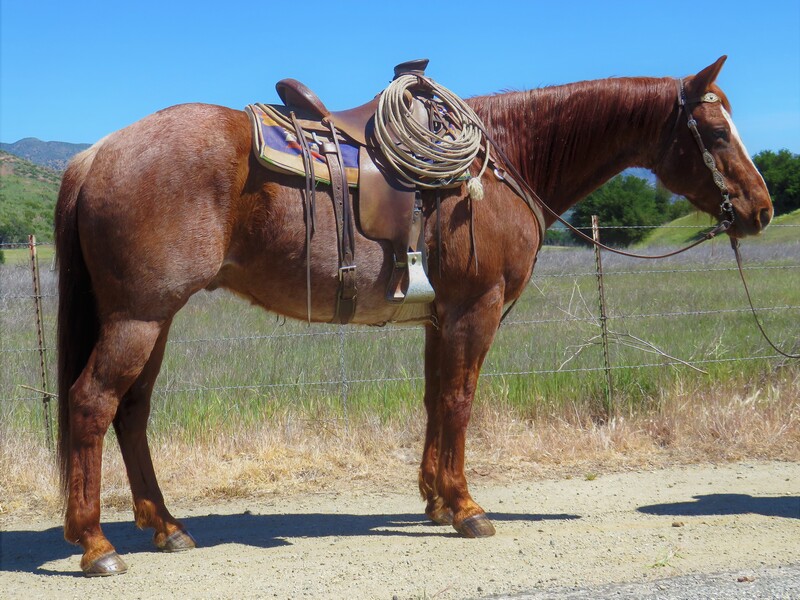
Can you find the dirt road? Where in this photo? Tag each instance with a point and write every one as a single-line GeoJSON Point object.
{"type": "Point", "coordinates": [551, 534]}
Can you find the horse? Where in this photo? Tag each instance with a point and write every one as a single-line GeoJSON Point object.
{"type": "Point", "coordinates": [176, 203]}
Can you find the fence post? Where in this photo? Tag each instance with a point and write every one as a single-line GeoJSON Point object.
{"type": "Point", "coordinates": [37, 300]}
{"type": "Point", "coordinates": [609, 405]}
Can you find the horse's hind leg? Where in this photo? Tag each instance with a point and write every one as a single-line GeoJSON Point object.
{"type": "Point", "coordinates": [121, 352]}
{"type": "Point", "coordinates": [130, 425]}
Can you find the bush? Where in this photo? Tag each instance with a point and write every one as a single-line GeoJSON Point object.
{"type": "Point", "coordinates": [625, 201]}
{"type": "Point", "coordinates": [781, 172]}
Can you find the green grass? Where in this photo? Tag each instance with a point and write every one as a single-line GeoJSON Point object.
{"type": "Point", "coordinates": [229, 365]}
{"type": "Point", "coordinates": [22, 256]}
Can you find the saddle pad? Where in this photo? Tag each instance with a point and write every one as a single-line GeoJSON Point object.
{"type": "Point", "coordinates": [277, 148]}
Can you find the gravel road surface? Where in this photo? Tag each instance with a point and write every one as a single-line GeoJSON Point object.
{"type": "Point", "coordinates": [734, 529]}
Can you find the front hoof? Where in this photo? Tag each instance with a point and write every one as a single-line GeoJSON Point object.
{"type": "Point", "coordinates": [176, 542]}
{"type": "Point", "coordinates": [105, 565]}
{"type": "Point", "coordinates": [476, 526]}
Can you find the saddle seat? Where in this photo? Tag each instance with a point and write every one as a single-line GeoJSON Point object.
{"type": "Point", "coordinates": [353, 122]}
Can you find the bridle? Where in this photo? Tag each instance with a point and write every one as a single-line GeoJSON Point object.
{"type": "Point", "coordinates": [726, 206]}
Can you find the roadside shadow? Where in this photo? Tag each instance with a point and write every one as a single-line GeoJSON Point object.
{"type": "Point", "coordinates": [27, 551]}
{"type": "Point", "coordinates": [730, 504]}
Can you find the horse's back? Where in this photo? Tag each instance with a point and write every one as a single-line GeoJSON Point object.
{"type": "Point", "coordinates": [154, 209]}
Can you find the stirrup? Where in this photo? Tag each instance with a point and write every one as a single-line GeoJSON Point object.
{"type": "Point", "coordinates": [419, 288]}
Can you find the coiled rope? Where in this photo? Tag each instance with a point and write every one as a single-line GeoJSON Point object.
{"type": "Point", "coordinates": [420, 156]}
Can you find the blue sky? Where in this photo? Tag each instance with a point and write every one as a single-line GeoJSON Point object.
{"type": "Point", "coordinates": [75, 70]}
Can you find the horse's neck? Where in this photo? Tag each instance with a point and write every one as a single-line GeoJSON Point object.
{"type": "Point", "coordinates": [568, 140]}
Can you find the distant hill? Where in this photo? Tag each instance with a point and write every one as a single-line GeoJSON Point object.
{"type": "Point", "coordinates": [27, 199]}
{"type": "Point", "coordinates": [54, 155]}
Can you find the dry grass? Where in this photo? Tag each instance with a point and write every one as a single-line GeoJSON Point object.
{"type": "Point", "coordinates": [290, 455]}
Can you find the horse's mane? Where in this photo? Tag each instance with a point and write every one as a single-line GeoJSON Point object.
{"type": "Point", "coordinates": [582, 131]}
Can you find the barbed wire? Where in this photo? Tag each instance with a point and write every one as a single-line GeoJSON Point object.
{"type": "Point", "coordinates": [538, 276]}
{"type": "Point", "coordinates": [344, 380]}
{"type": "Point", "coordinates": [407, 330]}
{"type": "Point", "coordinates": [699, 228]}
{"type": "Point", "coordinates": [200, 389]}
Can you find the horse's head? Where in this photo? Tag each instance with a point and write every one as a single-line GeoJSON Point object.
{"type": "Point", "coordinates": [706, 161]}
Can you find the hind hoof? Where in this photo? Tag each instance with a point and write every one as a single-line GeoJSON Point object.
{"type": "Point", "coordinates": [476, 526]}
{"type": "Point", "coordinates": [176, 542]}
{"type": "Point", "coordinates": [108, 564]}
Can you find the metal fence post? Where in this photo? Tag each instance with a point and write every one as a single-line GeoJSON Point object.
{"type": "Point", "coordinates": [37, 300]}
{"type": "Point", "coordinates": [609, 404]}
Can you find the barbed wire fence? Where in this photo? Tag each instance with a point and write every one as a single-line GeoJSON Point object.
{"type": "Point", "coordinates": [27, 315]}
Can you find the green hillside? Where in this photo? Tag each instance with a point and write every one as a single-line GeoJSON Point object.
{"type": "Point", "coordinates": [675, 233]}
{"type": "Point", "coordinates": [27, 199]}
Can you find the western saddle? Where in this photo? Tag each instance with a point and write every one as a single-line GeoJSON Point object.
{"type": "Point", "coordinates": [388, 208]}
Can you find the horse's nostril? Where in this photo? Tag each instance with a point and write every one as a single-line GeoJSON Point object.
{"type": "Point", "coordinates": [765, 217]}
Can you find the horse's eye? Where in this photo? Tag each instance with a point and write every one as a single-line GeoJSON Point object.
{"type": "Point", "coordinates": [721, 134]}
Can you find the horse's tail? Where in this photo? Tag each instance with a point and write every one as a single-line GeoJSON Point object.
{"type": "Point", "coordinates": [77, 316]}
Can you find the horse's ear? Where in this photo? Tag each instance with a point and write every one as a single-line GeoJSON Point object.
{"type": "Point", "coordinates": [700, 83]}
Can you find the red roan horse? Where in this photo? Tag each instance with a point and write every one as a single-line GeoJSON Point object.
{"type": "Point", "coordinates": [177, 203]}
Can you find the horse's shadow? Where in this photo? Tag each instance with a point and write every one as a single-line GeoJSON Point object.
{"type": "Point", "coordinates": [24, 550]}
{"type": "Point", "coordinates": [730, 504]}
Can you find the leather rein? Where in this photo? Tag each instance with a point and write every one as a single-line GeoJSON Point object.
{"type": "Point", "coordinates": [727, 214]}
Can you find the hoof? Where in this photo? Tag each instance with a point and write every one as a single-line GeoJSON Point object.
{"type": "Point", "coordinates": [176, 542]}
{"type": "Point", "coordinates": [108, 564]}
{"type": "Point", "coordinates": [476, 526]}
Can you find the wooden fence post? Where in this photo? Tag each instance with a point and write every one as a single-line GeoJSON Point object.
{"type": "Point", "coordinates": [609, 404]}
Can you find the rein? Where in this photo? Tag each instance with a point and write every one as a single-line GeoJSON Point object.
{"type": "Point", "coordinates": [726, 207]}
{"type": "Point", "coordinates": [727, 213]}
{"type": "Point", "coordinates": [735, 246]}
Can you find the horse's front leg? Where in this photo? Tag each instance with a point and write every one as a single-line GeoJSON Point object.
{"type": "Point", "coordinates": [467, 332]}
{"type": "Point", "coordinates": [435, 507]}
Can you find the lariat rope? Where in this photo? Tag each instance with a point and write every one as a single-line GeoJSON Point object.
{"type": "Point", "coordinates": [423, 157]}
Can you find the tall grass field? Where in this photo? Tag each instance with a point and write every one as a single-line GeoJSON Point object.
{"type": "Point", "coordinates": [228, 365]}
